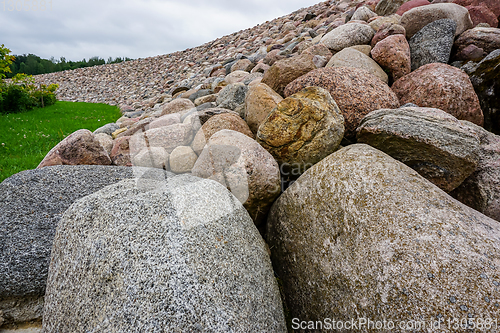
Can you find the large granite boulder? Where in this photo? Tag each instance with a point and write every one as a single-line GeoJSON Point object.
{"type": "Point", "coordinates": [177, 105]}
{"type": "Point", "coordinates": [79, 148]}
{"type": "Point", "coordinates": [362, 236]}
{"type": "Point", "coordinates": [284, 71]}
{"type": "Point", "coordinates": [441, 86]}
{"type": "Point", "coordinates": [355, 91]}
{"type": "Point", "coordinates": [486, 81]}
{"type": "Point", "coordinates": [232, 97]}
{"type": "Point", "coordinates": [303, 129]}
{"type": "Point", "coordinates": [32, 203]}
{"type": "Point", "coordinates": [244, 167]}
{"type": "Point", "coordinates": [393, 54]}
{"type": "Point", "coordinates": [430, 141]}
{"type": "Point", "coordinates": [481, 190]}
{"type": "Point", "coordinates": [432, 43]}
{"type": "Point", "coordinates": [350, 57]}
{"type": "Point", "coordinates": [178, 255]}
{"type": "Point", "coordinates": [418, 17]}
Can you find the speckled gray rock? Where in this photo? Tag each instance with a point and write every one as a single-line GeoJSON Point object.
{"type": "Point", "coordinates": [232, 97]}
{"type": "Point", "coordinates": [430, 141]}
{"type": "Point", "coordinates": [432, 43]}
{"type": "Point", "coordinates": [481, 190]}
{"type": "Point", "coordinates": [361, 235]}
{"type": "Point", "coordinates": [107, 129]}
{"type": "Point", "coordinates": [32, 203]}
{"type": "Point", "coordinates": [178, 255]}
{"type": "Point", "coordinates": [348, 35]}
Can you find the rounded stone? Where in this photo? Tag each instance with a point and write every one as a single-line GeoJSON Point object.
{"type": "Point", "coordinates": [348, 35]}
{"type": "Point", "coordinates": [182, 159]}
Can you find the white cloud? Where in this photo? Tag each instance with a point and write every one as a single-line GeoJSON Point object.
{"type": "Point", "coordinates": [136, 29]}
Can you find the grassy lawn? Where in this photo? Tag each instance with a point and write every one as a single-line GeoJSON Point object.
{"type": "Point", "coordinates": [25, 138]}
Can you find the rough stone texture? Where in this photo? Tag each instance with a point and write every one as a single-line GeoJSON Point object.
{"type": "Point", "coordinates": [120, 153]}
{"type": "Point", "coordinates": [361, 235]}
{"type": "Point", "coordinates": [107, 129]}
{"type": "Point", "coordinates": [492, 5]}
{"type": "Point", "coordinates": [235, 76]}
{"type": "Point", "coordinates": [80, 147]}
{"type": "Point", "coordinates": [242, 65]}
{"type": "Point", "coordinates": [381, 21]}
{"type": "Point", "coordinates": [182, 159]}
{"type": "Point", "coordinates": [232, 97]}
{"type": "Point", "coordinates": [285, 71]}
{"type": "Point", "coordinates": [105, 140]}
{"type": "Point", "coordinates": [387, 30]}
{"type": "Point", "coordinates": [303, 129]}
{"type": "Point", "coordinates": [320, 50]}
{"type": "Point", "coordinates": [388, 7]}
{"type": "Point", "coordinates": [410, 5]}
{"type": "Point", "coordinates": [487, 39]}
{"type": "Point", "coordinates": [259, 102]}
{"type": "Point", "coordinates": [348, 35]}
{"type": "Point", "coordinates": [177, 105]}
{"type": "Point", "coordinates": [393, 54]}
{"type": "Point", "coordinates": [206, 114]}
{"type": "Point", "coordinates": [355, 91]}
{"type": "Point", "coordinates": [430, 141]}
{"type": "Point", "coordinates": [442, 87]}
{"type": "Point", "coordinates": [141, 125]}
{"type": "Point", "coordinates": [217, 123]}
{"type": "Point", "coordinates": [486, 81]}
{"type": "Point", "coordinates": [363, 13]}
{"type": "Point", "coordinates": [151, 157]}
{"type": "Point", "coordinates": [205, 99]}
{"type": "Point", "coordinates": [417, 18]}
{"type": "Point", "coordinates": [432, 43]}
{"type": "Point", "coordinates": [244, 167]}
{"type": "Point", "coordinates": [350, 57]}
{"type": "Point", "coordinates": [32, 203]}
{"type": "Point", "coordinates": [166, 120]}
{"type": "Point", "coordinates": [482, 14]}
{"type": "Point", "coordinates": [179, 255]}
{"type": "Point", "coordinates": [272, 57]}
{"type": "Point", "coordinates": [481, 190]}
{"type": "Point", "coordinates": [168, 137]}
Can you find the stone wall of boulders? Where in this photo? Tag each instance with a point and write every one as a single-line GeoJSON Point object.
{"type": "Point", "coordinates": [360, 139]}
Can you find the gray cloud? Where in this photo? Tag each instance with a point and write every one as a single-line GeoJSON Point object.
{"type": "Point", "coordinates": [136, 29]}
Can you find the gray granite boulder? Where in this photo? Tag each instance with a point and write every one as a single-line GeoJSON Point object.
{"type": "Point", "coordinates": [481, 190]}
{"type": "Point", "coordinates": [173, 255]}
{"type": "Point", "coordinates": [348, 35]}
{"type": "Point", "coordinates": [107, 129]}
{"type": "Point", "coordinates": [432, 43]}
{"type": "Point", "coordinates": [31, 205]}
{"type": "Point", "coordinates": [232, 97]}
{"type": "Point", "coordinates": [361, 235]}
{"type": "Point", "coordinates": [430, 141]}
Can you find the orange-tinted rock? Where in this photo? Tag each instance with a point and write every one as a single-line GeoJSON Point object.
{"type": "Point", "coordinates": [393, 54]}
{"type": "Point", "coordinates": [355, 91]}
{"type": "Point", "coordinates": [443, 87]}
{"type": "Point", "coordinates": [79, 148]}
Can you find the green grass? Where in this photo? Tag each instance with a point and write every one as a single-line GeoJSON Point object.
{"type": "Point", "coordinates": [25, 138]}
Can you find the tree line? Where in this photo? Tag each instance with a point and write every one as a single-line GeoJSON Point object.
{"type": "Point", "coordinates": [32, 64]}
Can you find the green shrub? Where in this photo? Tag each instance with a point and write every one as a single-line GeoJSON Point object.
{"type": "Point", "coordinates": [15, 99]}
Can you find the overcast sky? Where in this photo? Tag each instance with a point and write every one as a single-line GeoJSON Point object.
{"type": "Point", "coordinates": [80, 29]}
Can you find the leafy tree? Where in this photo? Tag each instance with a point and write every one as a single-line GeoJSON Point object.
{"type": "Point", "coordinates": [5, 61]}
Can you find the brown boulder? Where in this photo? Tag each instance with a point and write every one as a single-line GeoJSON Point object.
{"type": "Point", "coordinates": [493, 5]}
{"type": "Point", "coordinates": [120, 154]}
{"type": "Point", "coordinates": [355, 91]}
{"type": "Point", "coordinates": [393, 54]}
{"type": "Point", "coordinates": [487, 39]}
{"type": "Point", "coordinates": [387, 30]}
{"type": "Point", "coordinates": [285, 71]}
{"type": "Point", "coordinates": [79, 148]}
{"type": "Point", "coordinates": [410, 5]}
{"type": "Point", "coordinates": [441, 86]}
{"type": "Point", "coordinates": [177, 105]}
{"type": "Point", "coordinates": [259, 102]}
{"type": "Point", "coordinates": [482, 14]}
